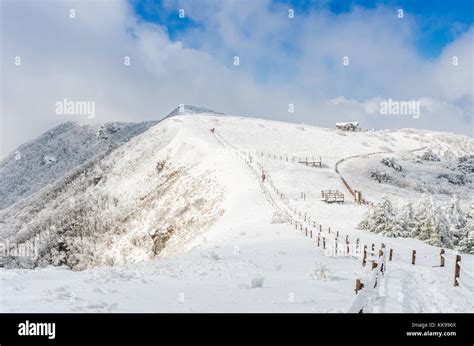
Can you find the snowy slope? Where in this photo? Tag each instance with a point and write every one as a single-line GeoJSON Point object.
{"type": "Point", "coordinates": [40, 162]}
{"type": "Point", "coordinates": [183, 216]}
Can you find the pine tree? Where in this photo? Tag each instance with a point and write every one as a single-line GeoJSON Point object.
{"type": "Point", "coordinates": [431, 225]}
{"type": "Point", "coordinates": [384, 219]}
{"type": "Point", "coordinates": [366, 223]}
{"type": "Point", "coordinates": [405, 220]}
{"type": "Point", "coordinates": [399, 227]}
{"type": "Point", "coordinates": [466, 242]}
{"type": "Point", "coordinates": [440, 234]}
{"type": "Point", "coordinates": [456, 219]}
{"type": "Point", "coordinates": [424, 220]}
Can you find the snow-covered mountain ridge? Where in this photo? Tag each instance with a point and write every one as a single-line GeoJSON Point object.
{"type": "Point", "coordinates": [180, 193]}
{"type": "Point", "coordinates": [58, 151]}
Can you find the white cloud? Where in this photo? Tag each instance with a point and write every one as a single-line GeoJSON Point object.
{"type": "Point", "coordinates": [283, 61]}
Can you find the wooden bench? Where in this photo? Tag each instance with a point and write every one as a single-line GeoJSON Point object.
{"type": "Point", "coordinates": [312, 163]}
{"type": "Point", "coordinates": [332, 196]}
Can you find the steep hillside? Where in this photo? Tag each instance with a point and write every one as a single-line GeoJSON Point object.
{"type": "Point", "coordinates": [44, 160]}
{"type": "Point", "coordinates": [122, 206]}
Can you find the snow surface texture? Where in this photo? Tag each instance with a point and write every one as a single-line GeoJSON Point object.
{"type": "Point", "coordinates": [183, 216]}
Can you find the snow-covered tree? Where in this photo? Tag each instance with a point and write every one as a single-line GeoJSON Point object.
{"type": "Point", "coordinates": [405, 220]}
{"type": "Point", "coordinates": [440, 235]}
{"type": "Point", "coordinates": [423, 219]}
{"type": "Point", "coordinates": [366, 223]}
{"type": "Point", "coordinates": [381, 219]}
{"type": "Point", "coordinates": [446, 226]}
{"type": "Point", "coordinates": [466, 242]}
{"type": "Point", "coordinates": [455, 218]}
{"type": "Point", "coordinates": [431, 225]}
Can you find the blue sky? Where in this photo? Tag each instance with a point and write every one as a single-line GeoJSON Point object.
{"type": "Point", "coordinates": [283, 61]}
{"type": "Point", "coordinates": [439, 22]}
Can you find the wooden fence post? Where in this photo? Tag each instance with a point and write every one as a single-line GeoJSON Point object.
{"type": "Point", "coordinates": [324, 243]}
{"type": "Point", "coordinates": [336, 244]}
{"type": "Point", "coordinates": [337, 234]}
{"type": "Point", "coordinates": [374, 264]}
{"type": "Point", "coordinates": [364, 259]}
{"type": "Point", "coordinates": [329, 230]}
{"type": "Point", "coordinates": [441, 258]}
{"type": "Point", "coordinates": [306, 231]}
{"type": "Point", "coordinates": [320, 228]}
{"type": "Point", "coordinates": [457, 270]}
{"type": "Point", "coordinates": [318, 239]}
{"type": "Point", "coordinates": [359, 286]}
{"type": "Point", "coordinates": [390, 255]}
{"type": "Point", "coordinates": [413, 257]}
{"type": "Point", "coordinates": [311, 233]}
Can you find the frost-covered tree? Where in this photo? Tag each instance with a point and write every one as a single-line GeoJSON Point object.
{"type": "Point", "coordinates": [381, 219]}
{"type": "Point", "coordinates": [366, 223]}
{"type": "Point", "coordinates": [440, 235]}
{"type": "Point", "coordinates": [405, 220]}
{"type": "Point", "coordinates": [431, 225]}
{"type": "Point", "coordinates": [466, 242]}
{"type": "Point", "coordinates": [423, 219]}
{"type": "Point", "coordinates": [398, 227]}
{"type": "Point", "coordinates": [455, 218]}
{"type": "Point", "coordinates": [446, 226]}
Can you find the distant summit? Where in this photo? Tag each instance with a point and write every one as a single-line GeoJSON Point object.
{"type": "Point", "coordinates": [188, 109]}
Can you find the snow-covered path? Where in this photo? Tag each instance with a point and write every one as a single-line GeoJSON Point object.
{"type": "Point", "coordinates": [400, 290]}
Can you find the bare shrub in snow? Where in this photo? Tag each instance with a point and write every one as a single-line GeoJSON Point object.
{"type": "Point", "coordinates": [466, 164]}
{"type": "Point", "coordinates": [160, 238]}
{"type": "Point", "coordinates": [160, 165]}
{"type": "Point", "coordinates": [429, 155]}
{"type": "Point", "coordinates": [279, 218]}
{"type": "Point", "coordinates": [320, 272]}
{"type": "Point", "coordinates": [444, 176]}
{"type": "Point", "coordinates": [391, 163]}
{"type": "Point", "coordinates": [213, 256]}
{"type": "Point", "coordinates": [453, 178]}
{"type": "Point", "coordinates": [380, 176]}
